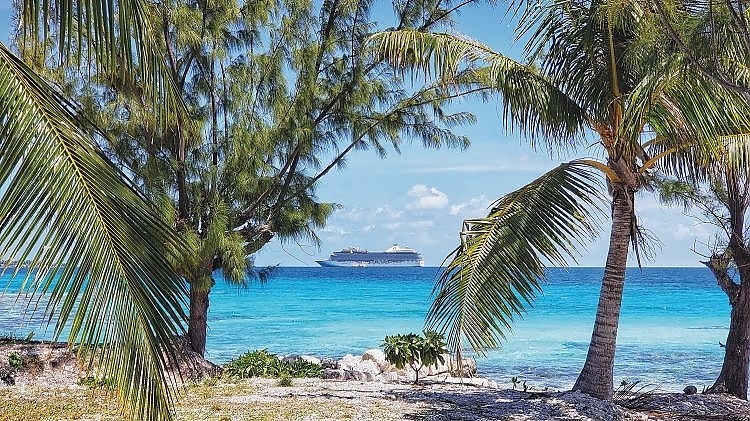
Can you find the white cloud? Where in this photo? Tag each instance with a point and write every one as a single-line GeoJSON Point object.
{"type": "Point", "coordinates": [368, 214]}
{"type": "Point", "coordinates": [334, 229]}
{"type": "Point", "coordinates": [475, 206]}
{"type": "Point", "coordinates": [388, 212]}
{"type": "Point", "coordinates": [427, 198]}
{"type": "Point", "coordinates": [694, 231]}
{"type": "Point", "coordinates": [407, 225]}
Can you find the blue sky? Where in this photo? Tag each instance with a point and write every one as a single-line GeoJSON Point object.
{"type": "Point", "coordinates": [420, 197]}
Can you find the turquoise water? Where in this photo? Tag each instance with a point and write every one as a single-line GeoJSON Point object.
{"type": "Point", "coordinates": [672, 321]}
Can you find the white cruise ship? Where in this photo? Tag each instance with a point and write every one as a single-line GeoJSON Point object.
{"type": "Point", "coordinates": [355, 257]}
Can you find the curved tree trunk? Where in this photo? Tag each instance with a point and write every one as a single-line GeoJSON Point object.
{"type": "Point", "coordinates": [734, 371]}
{"type": "Point", "coordinates": [198, 323]}
{"type": "Point", "coordinates": [597, 373]}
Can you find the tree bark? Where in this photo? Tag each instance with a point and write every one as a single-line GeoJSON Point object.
{"type": "Point", "coordinates": [598, 370]}
{"type": "Point", "coordinates": [734, 370]}
{"type": "Point", "coordinates": [198, 323]}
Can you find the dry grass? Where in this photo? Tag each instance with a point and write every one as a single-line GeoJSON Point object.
{"type": "Point", "coordinates": [57, 404]}
{"type": "Point", "coordinates": [253, 400]}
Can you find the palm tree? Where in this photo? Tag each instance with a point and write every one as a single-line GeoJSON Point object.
{"type": "Point", "coordinates": [100, 253]}
{"type": "Point", "coordinates": [588, 74]}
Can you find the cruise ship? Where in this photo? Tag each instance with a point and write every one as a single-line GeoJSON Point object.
{"type": "Point", "coordinates": [355, 257]}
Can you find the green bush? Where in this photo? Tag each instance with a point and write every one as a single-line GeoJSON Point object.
{"type": "Point", "coordinates": [302, 368]}
{"type": "Point", "coordinates": [15, 360]}
{"type": "Point", "coordinates": [415, 351]}
{"type": "Point", "coordinates": [285, 380]}
{"type": "Point", "coordinates": [92, 382]}
{"type": "Point", "coordinates": [261, 363]}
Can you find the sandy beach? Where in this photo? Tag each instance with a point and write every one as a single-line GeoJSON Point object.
{"type": "Point", "coordinates": [317, 399]}
{"type": "Point", "coordinates": [48, 388]}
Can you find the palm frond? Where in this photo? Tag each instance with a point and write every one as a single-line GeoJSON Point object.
{"type": "Point", "coordinates": [496, 271]}
{"type": "Point", "coordinates": [100, 254]}
{"type": "Point", "coordinates": [531, 104]}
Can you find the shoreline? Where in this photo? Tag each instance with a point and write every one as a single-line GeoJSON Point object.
{"type": "Point", "coordinates": [50, 386]}
{"type": "Point", "coordinates": [669, 336]}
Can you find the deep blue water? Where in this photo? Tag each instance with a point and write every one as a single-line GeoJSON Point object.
{"type": "Point", "coordinates": [672, 321]}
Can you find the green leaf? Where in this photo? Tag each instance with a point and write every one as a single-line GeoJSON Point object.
{"type": "Point", "coordinates": [99, 252]}
{"type": "Point", "coordinates": [496, 271]}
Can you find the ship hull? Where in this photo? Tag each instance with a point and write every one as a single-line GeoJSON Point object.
{"type": "Point", "coordinates": [362, 264]}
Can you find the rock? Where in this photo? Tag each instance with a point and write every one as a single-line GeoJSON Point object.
{"type": "Point", "coordinates": [472, 381]}
{"type": "Point", "coordinates": [310, 359]}
{"type": "Point", "coordinates": [334, 374]}
{"type": "Point", "coordinates": [8, 376]}
{"type": "Point", "coordinates": [690, 390]}
{"type": "Point", "coordinates": [450, 366]}
{"type": "Point", "coordinates": [468, 367]}
{"type": "Point", "coordinates": [357, 369]}
{"type": "Point", "coordinates": [388, 377]}
{"type": "Point", "coordinates": [329, 363]}
{"type": "Point", "coordinates": [348, 362]}
{"type": "Point", "coordinates": [365, 371]}
{"type": "Point", "coordinates": [378, 357]}
{"type": "Point", "coordinates": [289, 358]}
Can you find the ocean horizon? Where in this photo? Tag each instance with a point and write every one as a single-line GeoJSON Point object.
{"type": "Point", "coordinates": [671, 324]}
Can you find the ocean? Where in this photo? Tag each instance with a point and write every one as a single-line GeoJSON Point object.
{"type": "Point", "coordinates": [671, 324]}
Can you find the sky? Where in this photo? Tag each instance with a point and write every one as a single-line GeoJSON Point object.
{"type": "Point", "coordinates": [420, 197]}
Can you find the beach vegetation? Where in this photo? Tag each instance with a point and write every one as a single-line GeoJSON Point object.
{"type": "Point", "coordinates": [15, 360]}
{"type": "Point", "coordinates": [415, 351]}
{"type": "Point", "coordinates": [285, 379]}
{"type": "Point", "coordinates": [261, 363]}
{"type": "Point", "coordinates": [93, 382]}
{"type": "Point", "coordinates": [588, 79]}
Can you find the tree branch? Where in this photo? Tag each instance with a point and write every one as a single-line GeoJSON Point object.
{"type": "Point", "coordinates": [672, 33]}
{"type": "Point", "coordinates": [719, 264]}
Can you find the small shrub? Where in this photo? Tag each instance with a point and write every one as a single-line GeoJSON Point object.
{"type": "Point", "coordinates": [302, 368]}
{"type": "Point", "coordinates": [285, 379]}
{"type": "Point", "coordinates": [261, 363]}
{"type": "Point", "coordinates": [15, 360]}
{"type": "Point", "coordinates": [92, 382]}
{"type": "Point", "coordinates": [415, 351]}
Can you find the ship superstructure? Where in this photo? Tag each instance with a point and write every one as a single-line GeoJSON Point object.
{"type": "Point", "coordinates": [356, 257]}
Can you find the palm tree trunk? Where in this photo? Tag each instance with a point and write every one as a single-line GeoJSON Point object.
{"type": "Point", "coordinates": [597, 373]}
{"type": "Point", "coordinates": [198, 323]}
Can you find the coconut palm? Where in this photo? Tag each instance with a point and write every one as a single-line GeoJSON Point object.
{"type": "Point", "coordinates": [100, 254]}
{"type": "Point", "coordinates": [589, 74]}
